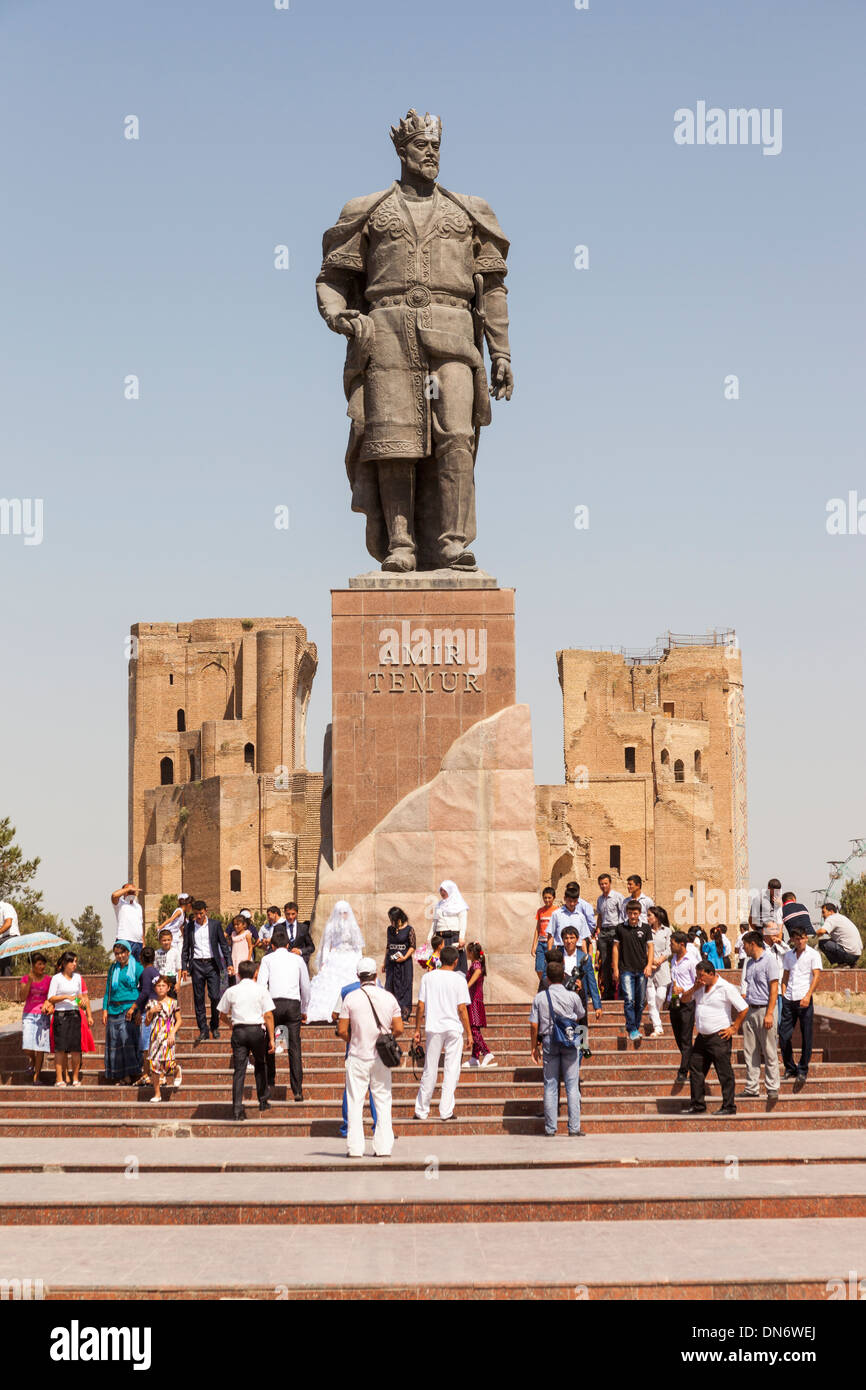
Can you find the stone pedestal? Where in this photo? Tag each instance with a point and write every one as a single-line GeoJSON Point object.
{"type": "Point", "coordinates": [473, 822]}
{"type": "Point", "coordinates": [417, 662]}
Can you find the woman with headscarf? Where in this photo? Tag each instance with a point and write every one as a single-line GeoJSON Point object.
{"type": "Point", "coordinates": [341, 949]}
{"type": "Point", "coordinates": [449, 919]}
{"type": "Point", "coordinates": [120, 1017]}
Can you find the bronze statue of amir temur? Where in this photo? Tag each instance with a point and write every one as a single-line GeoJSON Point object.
{"type": "Point", "coordinates": [415, 278]}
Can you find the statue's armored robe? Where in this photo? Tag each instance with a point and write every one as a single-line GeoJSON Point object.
{"type": "Point", "coordinates": [415, 381]}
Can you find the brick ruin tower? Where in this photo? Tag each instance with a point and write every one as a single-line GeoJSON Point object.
{"type": "Point", "coordinates": [220, 801]}
{"type": "Point", "coordinates": [655, 767]}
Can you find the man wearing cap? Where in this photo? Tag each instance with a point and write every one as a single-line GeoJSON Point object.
{"type": "Point", "coordinates": [205, 954]}
{"type": "Point", "coordinates": [251, 1011]}
{"type": "Point", "coordinates": [364, 1014]}
{"type": "Point", "coordinates": [130, 918]}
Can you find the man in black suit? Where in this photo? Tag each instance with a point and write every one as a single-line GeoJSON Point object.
{"type": "Point", "coordinates": [300, 939]}
{"type": "Point", "coordinates": [205, 954]}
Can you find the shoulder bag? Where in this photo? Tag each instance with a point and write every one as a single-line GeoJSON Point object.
{"type": "Point", "coordinates": [387, 1046]}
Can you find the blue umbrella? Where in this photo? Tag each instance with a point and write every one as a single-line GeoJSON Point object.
{"type": "Point", "coordinates": [34, 941]}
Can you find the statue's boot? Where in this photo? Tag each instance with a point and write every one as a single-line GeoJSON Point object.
{"type": "Point", "coordinates": [397, 491]}
{"type": "Point", "coordinates": [464, 561]}
{"type": "Point", "coordinates": [456, 469]}
{"type": "Point", "coordinates": [399, 562]}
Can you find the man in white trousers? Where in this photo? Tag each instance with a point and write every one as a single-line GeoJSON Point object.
{"type": "Point", "coordinates": [443, 1010]}
{"type": "Point", "coordinates": [364, 1014]}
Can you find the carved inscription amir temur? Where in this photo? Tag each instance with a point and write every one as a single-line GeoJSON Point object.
{"type": "Point", "coordinates": [448, 682]}
{"type": "Point", "coordinates": [411, 646]}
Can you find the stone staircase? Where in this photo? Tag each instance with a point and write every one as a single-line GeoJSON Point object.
{"type": "Point", "coordinates": [481, 1206]}
{"type": "Point", "coordinates": [626, 1088]}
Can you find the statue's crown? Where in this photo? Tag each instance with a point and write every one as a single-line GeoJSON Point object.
{"type": "Point", "coordinates": [412, 124]}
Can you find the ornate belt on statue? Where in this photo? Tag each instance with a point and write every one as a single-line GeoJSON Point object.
{"type": "Point", "coordinates": [419, 297]}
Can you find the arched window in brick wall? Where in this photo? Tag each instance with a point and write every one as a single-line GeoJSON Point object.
{"type": "Point", "coordinates": [249, 755]}
{"type": "Point", "coordinates": [191, 765]}
{"type": "Point", "coordinates": [166, 773]}
{"type": "Point", "coordinates": [234, 880]}
{"type": "Point", "coordinates": [698, 764]}
{"type": "Point", "coordinates": [679, 771]}
{"type": "Point", "coordinates": [181, 721]}
{"type": "Point", "coordinates": [629, 760]}
{"type": "Point", "coordinates": [666, 758]}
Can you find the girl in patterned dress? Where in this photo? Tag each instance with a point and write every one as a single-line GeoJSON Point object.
{"type": "Point", "coordinates": [163, 1014]}
{"type": "Point", "coordinates": [477, 965]}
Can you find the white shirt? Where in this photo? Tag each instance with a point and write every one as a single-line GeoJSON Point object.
{"type": "Point", "coordinates": [285, 976]}
{"type": "Point", "coordinates": [130, 919]}
{"type": "Point", "coordinates": [363, 1028]}
{"type": "Point", "coordinates": [448, 921]}
{"type": "Point", "coordinates": [201, 949]}
{"type": "Point", "coordinates": [6, 911]}
{"type": "Point", "coordinates": [715, 1007]}
{"type": "Point", "coordinates": [266, 931]}
{"type": "Point", "coordinates": [442, 992]}
{"type": "Point", "coordinates": [683, 970]}
{"type": "Point", "coordinates": [800, 968]}
{"type": "Point", "coordinates": [570, 963]}
{"type": "Point", "coordinates": [60, 985]}
{"type": "Point", "coordinates": [837, 926]}
{"type": "Point", "coordinates": [246, 1002]}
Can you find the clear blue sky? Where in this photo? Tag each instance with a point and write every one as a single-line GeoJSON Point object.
{"type": "Point", "coordinates": [155, 257]}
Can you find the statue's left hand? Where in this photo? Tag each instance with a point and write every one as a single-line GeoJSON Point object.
{"type": "Point", "coordinates": [355, 325]}
{"type": "Point", "coordinates": [502, 379]}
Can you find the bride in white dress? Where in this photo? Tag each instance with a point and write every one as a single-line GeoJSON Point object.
{"type": "Point", "coordinates": [341, 949]}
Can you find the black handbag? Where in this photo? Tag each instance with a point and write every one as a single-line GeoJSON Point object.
{"type": "Point", "coordinates": [387, 1046]}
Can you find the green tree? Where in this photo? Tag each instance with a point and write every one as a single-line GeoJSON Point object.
{"type": "Point", "coordinates": [16, 872]}
{"type": "Point", "coordinates": [853, 905]}
{"type": "Point", "coordinates": [92, 955]}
